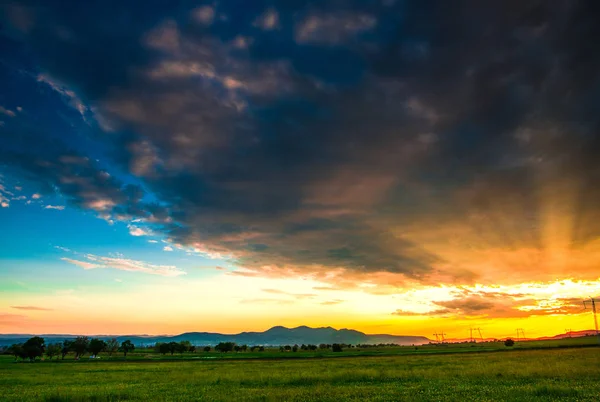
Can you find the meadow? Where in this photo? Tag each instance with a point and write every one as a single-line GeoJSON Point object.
{"type": "Point", "coordinates": [530, 371]}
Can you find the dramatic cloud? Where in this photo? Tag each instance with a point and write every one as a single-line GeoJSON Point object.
{"type": "Point", "coordinates": [368, 146]}
{"type": "Point", "coordinates": [486, 304]}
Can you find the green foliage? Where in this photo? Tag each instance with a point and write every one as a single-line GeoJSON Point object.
{"type": "Point", "coordinates": [336, 347]}
{"type": "Point", "coordinates": [80, 346]}
{"type": "Point", "coordinates": [34, 348]}
{"type": "Point", "coordinates": [53, 349]}
{"type": "Point", "coordinates": [17, 351]}
{"type": "Point", "coordinates": [224, 347]}
{"type": "Point", "coordinates": [96, 346]}
{"type": "Point", "coordinates": [184, 346]}
{"type": "Point", "coordinates": [511, 375]}
{"type": "Point", "coordinates": [67, 346]}
{"type": "Point", "coordinates": [112, 345]}
{"type": "Point", "coordinates": [206, 349]}
{"type": "Point", "coordinates": [126, 347]}
{"type": "Point", "coordinates": [509, 343]}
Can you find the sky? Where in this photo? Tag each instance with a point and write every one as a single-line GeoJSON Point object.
{"type": "Point", "coordinates": [401, 167]}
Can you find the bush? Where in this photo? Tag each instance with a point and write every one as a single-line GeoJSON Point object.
{"type": "Point", "coordinates": [336, 347]}
{"type": "Point", "coordinates": [509, 342]}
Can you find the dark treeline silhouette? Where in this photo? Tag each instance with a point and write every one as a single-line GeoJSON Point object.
{"type": "Point", "coordinates": [36, 347]}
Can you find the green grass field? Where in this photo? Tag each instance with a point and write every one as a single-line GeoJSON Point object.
{"type": "Point", "coordinates": [522, 374]}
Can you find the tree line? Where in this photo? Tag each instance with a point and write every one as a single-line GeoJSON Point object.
{"type": "Point", "coordinates": [36, 347]}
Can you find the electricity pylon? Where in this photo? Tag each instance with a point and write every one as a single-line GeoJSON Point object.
{"type": "Point", "coordinates": [520, 331]}
{"type": "Point", "coordinates": [568, 331]}
{"type": "Point", "coordinates": [592, 301]}
{"type": "Point", "coordinates": [439, 337]}
{"type": "Point", "coordinates": [478, 330]}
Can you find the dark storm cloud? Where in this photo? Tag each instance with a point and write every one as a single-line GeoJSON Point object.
{"type": "Point", "coordinates": [300, 139]}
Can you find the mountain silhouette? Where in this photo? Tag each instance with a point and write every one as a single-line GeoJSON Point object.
{"type": "Point", "coordinates": [274, 336]}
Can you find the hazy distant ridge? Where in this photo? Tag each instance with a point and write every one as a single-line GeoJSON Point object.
{"type": "Point", "coordinates": [275, 336]}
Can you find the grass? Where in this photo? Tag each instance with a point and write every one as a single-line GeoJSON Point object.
{"type": "Point", "coordinates": [569, 374]}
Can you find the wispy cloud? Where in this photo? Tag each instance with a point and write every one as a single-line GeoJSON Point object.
{"type": "Point", "coordinates": [67, 93]}
{"type": "Point", "coordinates": [57, 207]}
{"type": "Point", "coordinates": [138, 231]}
{"type": "Point", "coordinates": [32, 308]}
{"type": "Point", "coordinates": [332, 302]}
{"type": "Point", "coordinates": [295, 295]}
{"type": "Point", "coordinates": [168, 248]}
{"type": "Point", "coordinates": [124, 264]}
{"type": "Point", "coordinates": [7, 112]}
{"type": "Point", "coordinates": [268, 20]}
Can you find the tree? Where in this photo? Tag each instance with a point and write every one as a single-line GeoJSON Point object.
{"type": "Point", "coordinates": [261, 349]}
{"type": "Point", "coordinates": [336, 347]}
{"type": "Point", "coordinates": [237, 348]}
{"type": "Point", "coordinates": [173, 347]}
{"type": "Point", "coordinates": [112, 345]}
{"type": "Point", "coordinates": [34, 347]}
{"type": "Point", "coordinates": [126, 347]}
{"type": "Point", "coordinates": [206, 349]}
{"type": "Point", "coordinates": [184, 346]}
{"type": "Point", "coordinates": [163, 348]}
{"type": "Point", "coordinates": [225, 347]}
{"type": "Point", "coordinates": [295, 348]}
{"type": "Point", "coordinates": [16, 349]}
{"type": "Point", "coordinates": [96, 346]}
{"type": "Point", "coordinates": [80, 346]}
{"type": "Point", "coordinates": [66, 348]}
{"type": "Point", "coordinates": [53, 349]}
{"type": "Point", "coordinates": [244, 348]}
{"type": "Point", "coordinates": [509, 342]}
{"type": "Point", "coordinates": [192, 349]}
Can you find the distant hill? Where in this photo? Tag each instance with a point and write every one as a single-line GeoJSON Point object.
{"type": "Point", "coordinates": [275, 336]}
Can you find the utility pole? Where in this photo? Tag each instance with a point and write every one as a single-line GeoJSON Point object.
{"type": "Point", "coordinates": [439, 337]}
{"type": "Point", "coordinates": [521, 332]}
{"type": "Point", "coordinates": [471, 332]}
{"type": "Point", "coordinates": [592, 301]}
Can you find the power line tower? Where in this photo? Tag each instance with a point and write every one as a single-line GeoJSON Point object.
{"type": "Point", "coordinates": [593, 301]}
{"type": "Point", "coordinates": [439, 337]}
{"type": "Point", "coordinates": [521, 332]}
{"type": "Point", "coordinates": [568, 332]}
{"type": "Point", "coordinates": [478, 330]}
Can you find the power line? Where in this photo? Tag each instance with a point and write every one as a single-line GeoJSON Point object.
{"type": "Point", "coordinates": [471, 334]}
{"type": "Point", "coordinates": [520, 331]}
{"type": "Point", "coordinates": [439, 337]}
{"type": "Point", "coordinates": [593, 301]}
{"type": "Point", "coordinates": [568, 331]}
